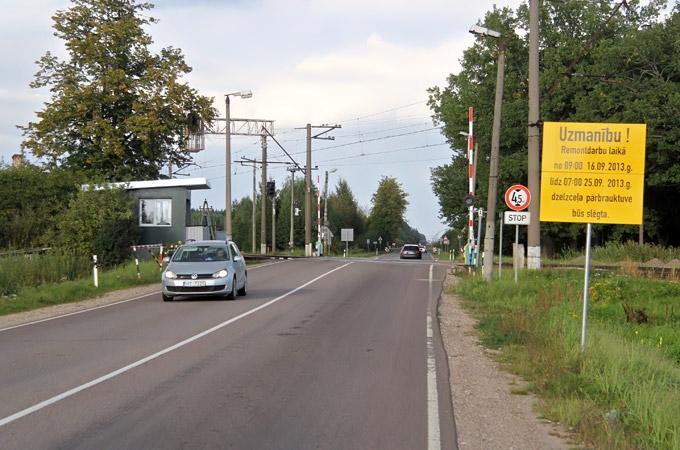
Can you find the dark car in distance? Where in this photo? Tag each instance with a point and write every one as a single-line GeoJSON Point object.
{"type": "Point", "coordinates": [410, 251]}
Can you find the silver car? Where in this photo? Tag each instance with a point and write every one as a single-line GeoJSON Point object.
{"type": "Point", "coordinates": [205, 268]}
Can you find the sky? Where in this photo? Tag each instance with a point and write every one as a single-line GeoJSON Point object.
{"type": "Point", "coordinates": [363, 64]}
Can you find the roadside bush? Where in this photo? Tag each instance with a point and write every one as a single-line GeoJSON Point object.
{"type": "Point", "coordinates": [102, 223]}
{"type": "Point", "coordinates": [31, 201]}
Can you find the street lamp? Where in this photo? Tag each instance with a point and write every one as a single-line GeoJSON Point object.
{"type": "Point", "coordinates": [495, 139]}
{"type": "Point", "coordinates": [227, 121]}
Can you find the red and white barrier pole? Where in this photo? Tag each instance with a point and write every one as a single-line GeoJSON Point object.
{"type": "Point", "coordinates": [319, 251]}
{"type": "Point", "coordinates": [471, 186]}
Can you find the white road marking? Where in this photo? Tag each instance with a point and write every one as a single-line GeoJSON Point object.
{"type": "Point", "coordinates": [122, 370]}
{"type": "Point", "coordinates": [60, 316]}
{"type": "Point", "coordinates": [433, 436]}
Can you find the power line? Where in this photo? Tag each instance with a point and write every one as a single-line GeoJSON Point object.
{"type": "Point", "coordinates": [383, 152]}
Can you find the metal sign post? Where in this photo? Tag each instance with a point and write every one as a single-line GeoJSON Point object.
{"type": "Point", "coordinates": [517, 198]}
{"type": "Point", "coordinates": [500, 246]}
{"type": "Point", "coordinates": [515, 256]}
{"type": "Point", "coordinates": [347, 235]}
{"type": "Point", "coordinates": [586, 284]}
{"type": "Point", "coordinates": [516, 218]}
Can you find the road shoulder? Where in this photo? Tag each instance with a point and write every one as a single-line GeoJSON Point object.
{"type": "Point", "coordinates": [487, 413]}
{"type": "Point", "coordinates": [48, 312]}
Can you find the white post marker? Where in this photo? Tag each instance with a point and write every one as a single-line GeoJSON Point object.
{"type": "Point", "coordinates": [94, 271]}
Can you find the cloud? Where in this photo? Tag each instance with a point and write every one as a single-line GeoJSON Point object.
{"type": "Point", "coordinates": [305, 61]}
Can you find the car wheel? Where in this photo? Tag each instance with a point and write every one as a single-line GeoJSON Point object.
{"type": "Point", "coordinates": [242, 291]}
{"type": "Point", "coordinates": [166, 298]}
{"type": "Point", "coordinates": [232, 294]}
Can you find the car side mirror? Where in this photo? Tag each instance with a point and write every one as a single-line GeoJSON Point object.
{"type": "Point", "coordinates": [238, 258]}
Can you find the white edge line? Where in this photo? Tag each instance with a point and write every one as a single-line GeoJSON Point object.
{"type": "Point", "coordinates": [433, 433]}
{"type": "Point", "coordinates": [108, 376]}
{"type": "Point", "coordinates": [60, 316]}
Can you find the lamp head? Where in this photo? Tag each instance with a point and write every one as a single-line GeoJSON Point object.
{"type": "Point", "coordinates": [476, 29]}
{"type": "Point", "coordinates": [242, 94]}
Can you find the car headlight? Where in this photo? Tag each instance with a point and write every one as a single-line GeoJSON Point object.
{"type": "Point", "coordinates": [221, 274]}
{"type": "Point", "coordinates": [169, 274]}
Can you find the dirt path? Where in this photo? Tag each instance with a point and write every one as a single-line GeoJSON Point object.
{"type": "Point", "coordinates": [488, 415]}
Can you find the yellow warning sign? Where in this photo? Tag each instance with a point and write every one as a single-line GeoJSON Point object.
{"type": "Point", "coordinates": [593, 172]}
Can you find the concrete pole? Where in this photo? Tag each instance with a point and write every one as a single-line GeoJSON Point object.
{"type": "Point", "coordinates": [641, 234]}
{"type": "Point", "coordinates": [253, 218]}
{"type": "Point", "coordinates": [308, 194]}
{"type": "Point", "coordinates": [292, 208]}
{"type": "Point", "coordinates": [263, 200]}
{"type": "Point", "coordinates": [493, 168]}
{"type": "Point", "coordinates": [227, 191]}
{"type": "Point", "coordinates": [534, 230]}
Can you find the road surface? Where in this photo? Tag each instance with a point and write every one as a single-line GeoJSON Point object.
{"type": "Point", "coordinates": [324, 353]}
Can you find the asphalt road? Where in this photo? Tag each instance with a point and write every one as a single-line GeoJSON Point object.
{"type": "Point", "coordinates": [322, 354]}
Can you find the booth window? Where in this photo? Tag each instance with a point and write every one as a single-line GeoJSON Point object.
{"type": "Point", "coordinates": [155, 212]}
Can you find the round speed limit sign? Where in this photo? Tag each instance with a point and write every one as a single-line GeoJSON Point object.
{"type": "Point", "coordinates": [517, 197]}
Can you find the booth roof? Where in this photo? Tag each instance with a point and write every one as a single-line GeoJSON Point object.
{"type": "Point", "coordinates": [189, 183]}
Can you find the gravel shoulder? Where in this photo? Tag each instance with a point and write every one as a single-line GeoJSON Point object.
{"type": "Point", "coordinates": [12, 320]}
{"type": "Point", "coordinates": [488, 415]}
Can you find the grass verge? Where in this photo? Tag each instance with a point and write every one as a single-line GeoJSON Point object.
{"type": "Point", "coordinates": [624, 391]}
{"type": "Point", "coordinates": [54, 293]}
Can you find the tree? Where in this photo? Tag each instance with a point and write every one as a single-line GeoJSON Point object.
{"type": "Point", "coordinates": [242, 224]}
{"type": "Point", "coordinates": [102, 223]}
{"type": "Point", "coordinates": [283, 214]}
{"type": "Point", "coordinates": [116, 111]}
{"type": "Point", "coordinates": [407, 235]}
{"type": "Point", "coordinates": [344, 212]}
{"type": "Point", "coordinates": [30, 203]}
{"type": "Point", "coordinates": [387, 215]}
{"type": "Point", "coordinates": [600, 62]}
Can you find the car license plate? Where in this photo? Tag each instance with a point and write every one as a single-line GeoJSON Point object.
{"type": "Point", "coordinates": [194, 283]}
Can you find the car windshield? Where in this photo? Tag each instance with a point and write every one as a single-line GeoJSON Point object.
{"type": "Point", "coordinates": [200, 253]}
{"type": "Point", "coordinates": [413, 248]}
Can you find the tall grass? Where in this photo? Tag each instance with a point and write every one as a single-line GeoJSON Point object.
{"type": "Point", "coordinates": [20, 271]}
{"type": "Point", "coordinates": [624, 391]}
{"type": "Point", "coordinates": [614, 252]}
{"type": "Point", "coordinates": [53, 293]}
{"type": "Point", "coordinates": [619, 251]}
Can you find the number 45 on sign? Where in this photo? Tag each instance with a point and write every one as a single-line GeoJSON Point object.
{"type": "Point", "coordinates": [517, 197]}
